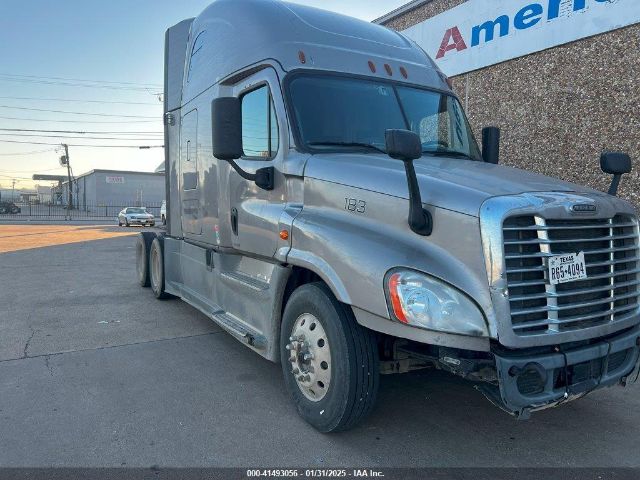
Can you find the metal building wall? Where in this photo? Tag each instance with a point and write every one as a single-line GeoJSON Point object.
{"type": "Point", "coordinates": [559, 108]}
{"type": "Point", "coordinates": [93, 190]}
{"type": "Point", "coordinates": [138, 188]}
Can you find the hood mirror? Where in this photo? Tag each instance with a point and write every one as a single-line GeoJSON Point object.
{"type": "Point", "coordinates": [616, 164]}
{"type": "Point", "coordinates": [406, 145]}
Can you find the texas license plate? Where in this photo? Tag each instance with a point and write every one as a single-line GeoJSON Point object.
{"type": "Point", "coordinates": [568, 267]}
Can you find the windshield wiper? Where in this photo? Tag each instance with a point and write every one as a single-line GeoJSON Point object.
{"type": "Point", "coordinates": [347, 144]}
{"type": "Point", "coordinates": [449, 153]}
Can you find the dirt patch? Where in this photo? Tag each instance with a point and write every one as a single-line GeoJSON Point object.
{"type": "Point", "coordinates": [24, 237]}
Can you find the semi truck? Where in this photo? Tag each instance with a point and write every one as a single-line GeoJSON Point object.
{"type": "Point", "coordinates": [329, 206]}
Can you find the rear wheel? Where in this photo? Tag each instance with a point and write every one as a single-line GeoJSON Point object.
{"type": "Point", "coordinates": [156, 268]}
{"type": "Point", "coordinates": [143, 246]}
{"type": "Point", "coordinates": [329, 362]}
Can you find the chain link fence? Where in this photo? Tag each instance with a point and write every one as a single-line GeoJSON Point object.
{"type": "Point", "coordinates": [44, 211]}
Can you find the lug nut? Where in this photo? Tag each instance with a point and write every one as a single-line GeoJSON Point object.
{"type": "Point", "coordinates": [308, 356]}
{"type": "Point", "coordinates": [292, 339]}
{"type": "Point", "coordinates": [288, 346]}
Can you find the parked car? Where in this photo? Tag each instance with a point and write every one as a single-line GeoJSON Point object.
{"type": "Point", "coordinates": [163, 212]}
{"type": "Point", "coordinates": [9, 207]}
{"type": "Point", "coordinates": [136, 216]}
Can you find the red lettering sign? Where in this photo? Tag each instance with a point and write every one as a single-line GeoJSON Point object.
{"type": "Point", "coordinates": [452, 41]}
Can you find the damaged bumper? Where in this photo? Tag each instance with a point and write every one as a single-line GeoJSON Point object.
{"type": "Point", "coordinates": [530, 382]}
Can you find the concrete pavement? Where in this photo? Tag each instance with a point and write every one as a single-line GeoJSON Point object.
{"type": "Point", "coordinates": [95, 372]}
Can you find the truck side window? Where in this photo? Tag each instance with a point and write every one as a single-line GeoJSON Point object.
{"type": "Point", "coordinates": [197, 47]}
{"type": "Point", "coordinates": [260, 139]}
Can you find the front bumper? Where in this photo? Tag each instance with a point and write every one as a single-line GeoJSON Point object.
{"type": "Point", "coordinates": [141, 222]}
{"type": "Point", "coordinates": [530, 382]}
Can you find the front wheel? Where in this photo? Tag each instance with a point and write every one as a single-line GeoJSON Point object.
{"type": "Point", "coordinates": [329, 362]}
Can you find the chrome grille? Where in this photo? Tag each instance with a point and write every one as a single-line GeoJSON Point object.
{"type": "Point", "coordinates": [610, 293]}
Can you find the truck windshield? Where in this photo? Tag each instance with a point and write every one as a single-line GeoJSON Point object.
{"type": "Point", "coordinates": [336, 113]}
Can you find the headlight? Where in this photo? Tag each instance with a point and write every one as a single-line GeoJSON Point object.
{"type": "Point", "coordinates": [422, 301]}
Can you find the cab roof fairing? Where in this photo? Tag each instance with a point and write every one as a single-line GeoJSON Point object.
{"type": "Point", "coordinates": [231, 36]}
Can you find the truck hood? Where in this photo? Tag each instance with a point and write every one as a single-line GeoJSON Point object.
{"type": "Point", "coordinates": [450, 183]}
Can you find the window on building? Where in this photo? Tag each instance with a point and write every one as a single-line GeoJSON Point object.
{"type": "Point", "coordinates": [259, 124]}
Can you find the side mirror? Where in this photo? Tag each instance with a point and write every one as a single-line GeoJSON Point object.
{"type": "Point", "coordinates": [406, 145]}
{"type": "Point", "coordinates": [403, 145]}
{"type": "Point", "coordinates": [616, 164]}
{"type": "Point", "coordinates": [226, 139]}
{"type": "Point", "coordinates": [226, 122]}
{"type": "Point", "coordinates": [491, 145]}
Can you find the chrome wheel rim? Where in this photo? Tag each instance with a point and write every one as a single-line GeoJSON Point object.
{"type": "Point", "coordinates": [155, 262]}
{"type": "Point", "coordinates": [310, 357]}
{"type": "Point", "coordinates": [140, 259]}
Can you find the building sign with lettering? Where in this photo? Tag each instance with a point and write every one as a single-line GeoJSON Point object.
{"type": "Point", "coordinates": [480, 33]}
{"type": "Point", "coordinates": [115, 179]}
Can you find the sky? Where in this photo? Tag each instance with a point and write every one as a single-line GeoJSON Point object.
{"type": "Point", "coordinates": [103, 58]}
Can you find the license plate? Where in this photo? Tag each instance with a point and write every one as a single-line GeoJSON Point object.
{"type": "Point", "coordinates": [567, 268]}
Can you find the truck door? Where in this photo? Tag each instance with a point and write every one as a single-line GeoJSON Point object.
{"type": "Point", "coordinates": [254, 212]}
{"type": "Point", "coordinates": [189, 184]}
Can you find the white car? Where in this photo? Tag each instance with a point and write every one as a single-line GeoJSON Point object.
{"type": "Point", "coordinates": [136, 216]}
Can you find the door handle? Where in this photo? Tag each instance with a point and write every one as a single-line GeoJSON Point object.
{"type": "Point", "coordinates": [234, 220]}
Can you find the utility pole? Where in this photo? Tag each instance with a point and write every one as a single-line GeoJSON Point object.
{"type": "Point", "coordinates": [13, 190]}
{"type": "Point", "coordinates": [66, 157]}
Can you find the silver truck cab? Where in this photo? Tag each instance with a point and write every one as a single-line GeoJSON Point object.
{"type": "Point", "coordinates": [329, 206]}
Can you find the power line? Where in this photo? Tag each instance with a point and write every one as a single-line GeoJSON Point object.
{"type": "Point", "coordinates": [45, 99]}
{"type": "Point", "coordinates": [27, 153]}
{"type": "Point", "coordinates": [30, 171]}
{"type": "Point", "coordinates": [77, 85]}
{"type": "Point", "coordinates": [77, 121]}
{"type": "Point", "coordinates": [75, 136]}
{"type": "Point", "coordinates": [78, 113]}
{"type": "Point", "coordinates": [77, 131]}
{"type": "Point", "coordinates": [79, 145]}
{"type": "Point", "coordinates": [80, 80]}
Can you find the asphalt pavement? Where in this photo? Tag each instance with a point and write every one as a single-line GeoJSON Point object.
{"type": "Point", "coordinates": [94, 371]}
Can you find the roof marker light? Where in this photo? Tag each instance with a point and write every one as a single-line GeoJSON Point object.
{"type": "Point", "coordinates": [404, 73]}
{"type": "Point", "coordinates": [372, 66]}
{"type": "Point", "coordinates": [302, 57]}
{"type": "Point", "coordinates": [388, 69]}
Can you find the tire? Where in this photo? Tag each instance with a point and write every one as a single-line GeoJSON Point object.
{"type": "Point", "coordinates": [349, 393]}
{"type": "Point", "coordinates": [15, 210]}
{"type": "Point", "coordinates": [3, 210]}
{"type": "Point", "coordinates": [164, 220]}
{"type": "Point", "coordinates": [143, 245]}
{"type": "Point", "coordinates": [126, 222]}
{"type": "Point", "coordinates": [156, 269]}
{"type": "Point", "coordinates": [119, 223]}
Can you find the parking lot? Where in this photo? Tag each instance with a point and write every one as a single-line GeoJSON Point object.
{"type": "Point", "coordinates": [95, 372]}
